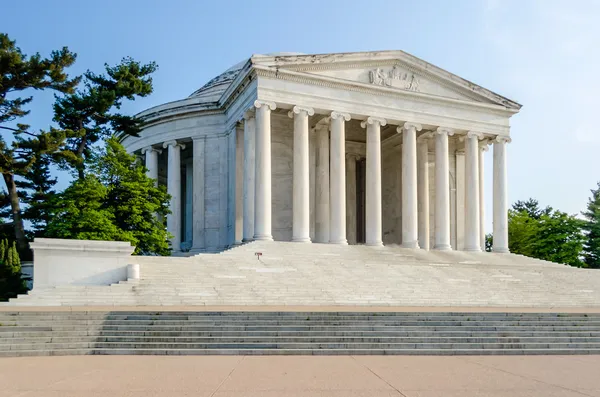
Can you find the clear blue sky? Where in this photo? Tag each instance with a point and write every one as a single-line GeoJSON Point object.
{"type": "Point", "coordinates": [542, 53]}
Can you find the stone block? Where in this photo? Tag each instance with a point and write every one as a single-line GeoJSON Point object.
{"type": "Point", "coordinates": [79, 262]}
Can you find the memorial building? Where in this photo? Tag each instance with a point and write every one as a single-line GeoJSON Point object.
{"type": "Point", "coordinates": [351, 148]}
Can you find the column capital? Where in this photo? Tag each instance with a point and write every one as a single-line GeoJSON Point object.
{"type": "Point", "coordinates": [173, 143]}
{"type": "Point", "coordinates": [299, 109]}
{"type": "Point", "coordinates": [471, 134]}
{"type": "Point", "coordinates": [502, 139]}
{"type": "Point", "coordinates": [444, 130]}
{"type": "Point", "coordinates": [476, 134]}
{"type": "Point", "coordinates": [151, 149]}
{"type": "Point", "coordinates": [424, 136]}
{"type": "Point", "coordinates": [198, 138]}
{"type": "Point", "coordinates": [354, 156]}
{"type": "Point", "coordinates": [484, 145]}
{"type": "Point", "coordinates": [339, 115]}
{"type": "Point", "coordinates": [260, 103]}
{"type": "Point", "coordinates": [373, 120]}
{"type": "Point", "coordinates": [409, 126]}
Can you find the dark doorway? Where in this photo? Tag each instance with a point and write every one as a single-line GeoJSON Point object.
{"type": "Point", "coordinates": [361, 185]}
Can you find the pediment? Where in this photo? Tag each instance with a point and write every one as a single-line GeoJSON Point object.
{"type": "Point", "coordinates": [394, 70]}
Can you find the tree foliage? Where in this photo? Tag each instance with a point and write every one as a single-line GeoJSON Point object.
{"type": "Point", "coordinates": [592, 229]}
{"type": "Point", "coordinates": [545, 233]}
{"type": "Point", "coordinates": [11, 279]}
{"type": "Point", "coordinates": [116, 200]}
{"type": "Point", "coordinates": [91, 113]}
{"type": "Point", "coordinates": [19, 73]}
{"type": "Point", "coordinates": [36, 190]}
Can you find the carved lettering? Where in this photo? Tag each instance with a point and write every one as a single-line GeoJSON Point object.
{"type": "Point", "coordinates": [395, 77]}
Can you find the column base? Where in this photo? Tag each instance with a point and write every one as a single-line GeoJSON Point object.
{"type": "Point", "coordinates": [301, 239]}
{"type": "Point", "coordinates": [266, 237]}
{"type": "Point", "coordinates": [442, 247]}
{"type": "Point", "coordinates": [247, 240]}
{"type": "Point", "coordinates": [472, 249]}
{"type": "Point", "coordinates": [339, 242]}
{"type": "Point", "coordinates": [374, 243]}
{"type": "Point", "coordinates": [500, 250]}
{"type": "Point", "coordinates": [411, 244]}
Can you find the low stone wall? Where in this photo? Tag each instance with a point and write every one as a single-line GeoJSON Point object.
{"type": "Point", "coordinates": [79, 262]}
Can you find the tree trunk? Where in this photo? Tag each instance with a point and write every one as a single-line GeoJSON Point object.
{"type": "Point", "coordinates": [79, 153]}
{"type": "Point", "coordinates": [15, 207]}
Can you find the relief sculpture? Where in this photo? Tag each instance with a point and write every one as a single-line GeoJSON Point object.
{"type": "Point", "coordinates": [394, 78]}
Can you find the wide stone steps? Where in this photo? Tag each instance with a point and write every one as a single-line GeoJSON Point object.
{"type": "Point", "coordinates": [178, 333]}
{"type": "Point", "coordinates": [295, 274]}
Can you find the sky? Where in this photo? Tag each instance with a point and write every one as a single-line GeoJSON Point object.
{"type": "Point", "coordinates": [543, 54]}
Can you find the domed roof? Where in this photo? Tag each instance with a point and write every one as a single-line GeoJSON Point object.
{"type": "Point", "coordinates": [212, 91]}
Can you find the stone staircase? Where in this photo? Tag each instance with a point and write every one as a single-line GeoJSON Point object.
{"type": "Point", "coordinates": [296, 333]}
{"type": "Point", "coordinates": [330, 275]}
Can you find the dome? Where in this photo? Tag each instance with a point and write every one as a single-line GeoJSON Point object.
{"type": "Point", "coordinates": [212, 91]}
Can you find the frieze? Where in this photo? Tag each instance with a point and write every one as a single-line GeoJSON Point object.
{"type": "Point", "coordinates": [395, 77]}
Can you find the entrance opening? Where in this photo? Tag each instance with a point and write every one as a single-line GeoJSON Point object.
{"type": "Point", "coordinates": [361, 185]}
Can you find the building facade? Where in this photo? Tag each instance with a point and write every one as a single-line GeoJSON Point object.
{"type": "Point", "coordinates": [352, 148]}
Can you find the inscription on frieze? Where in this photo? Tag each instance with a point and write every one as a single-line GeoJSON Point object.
{"type": "Point", "coordinates": [394, 77]}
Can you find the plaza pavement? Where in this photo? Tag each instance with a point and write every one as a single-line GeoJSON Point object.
{"type": "Point", "coordinates": [282, 376]}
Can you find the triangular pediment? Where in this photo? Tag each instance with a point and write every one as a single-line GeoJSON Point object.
{"type": "Point", "coordinates": [395, 70]}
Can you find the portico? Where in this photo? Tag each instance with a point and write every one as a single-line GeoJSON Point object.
{"type": "Point", "coordinates": [360, 148]}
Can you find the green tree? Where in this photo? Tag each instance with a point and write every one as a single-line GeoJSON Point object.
{"type": "Point", "coordinates": [592, 229]}
{"type": "Point", "coordinates": [18, 73]}
{"type": "Point", "coordinates": [37, 192]}
{"type": "Point", "coordinates": [545, 234]}
{"type": "Point", "coordinates": [80, 213]}
{"type": "Point", "coordinates": [11, 279]}
{"type": "Point", "coordinates": [116, 200]}
{"type": "Point", "coordinates": [91, 113]}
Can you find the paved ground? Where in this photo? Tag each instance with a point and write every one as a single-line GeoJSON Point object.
{"type": "Point", "coordinates": [110, 376]}
{"type": "Point", "coordinates": [305, 308]}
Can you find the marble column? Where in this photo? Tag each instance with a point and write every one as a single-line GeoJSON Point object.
{"type": "Point", "coordinates": [472, 191]}
{"type": "Point", "coordinates": [423, 188]}
{"type": "Point", "coordinates": [198, 239]}
{"type": "Point", "coordinates": [322, 184]}
{"type": "Point", "coordinates": [373, 204]}
{"type": "Point", "coordinates": [337, 181]}
{"type": "Point", "coordinates": [174, 189]}
{"type": "Point", "coordinates": [483, 147]}
{"type": "Point", "coordinates": [442, 190]}
{"type": "Point", "coordinates": [152, 162]}
{"type": "Point", "coordinates": [262, 200]}
{"type": "Point", "coordinates": [351, 192]}
{"type": "Point", "coordinates": [500, 244]}
{"type": "Point", "coordinates": [461, 207]}
{"type": "Point", "coordinates": [249, 172]}
{"type": "Point", "coordinates": [301, 180]}
{"type": "Point", "coordinates": [410, 238]}
{"type": "Point", "coordinates": [238, 170]}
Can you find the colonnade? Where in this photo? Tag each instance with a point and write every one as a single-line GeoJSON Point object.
{"type": "Point", "coordinates": [330, 184]}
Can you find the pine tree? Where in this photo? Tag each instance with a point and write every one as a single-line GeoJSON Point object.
{"type": "Point", "coordinates": [11, 278]}
{"type": "Point", "coordinates": [37, 193]}
{"type": "Point", "coordinates": [89, 114]}
{"type": "Point", "coordinates": [18, 73]}
{"type": "Point", "coordinates": [3, 246]}
{"type": "Point", "coordinates": [592, 229]}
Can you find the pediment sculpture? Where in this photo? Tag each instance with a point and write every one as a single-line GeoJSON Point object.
{"type": "Point", "coordinates": [394, 77]}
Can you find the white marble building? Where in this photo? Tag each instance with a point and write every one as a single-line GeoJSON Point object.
{"type": "Point", "coordinates": [350, 148]}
